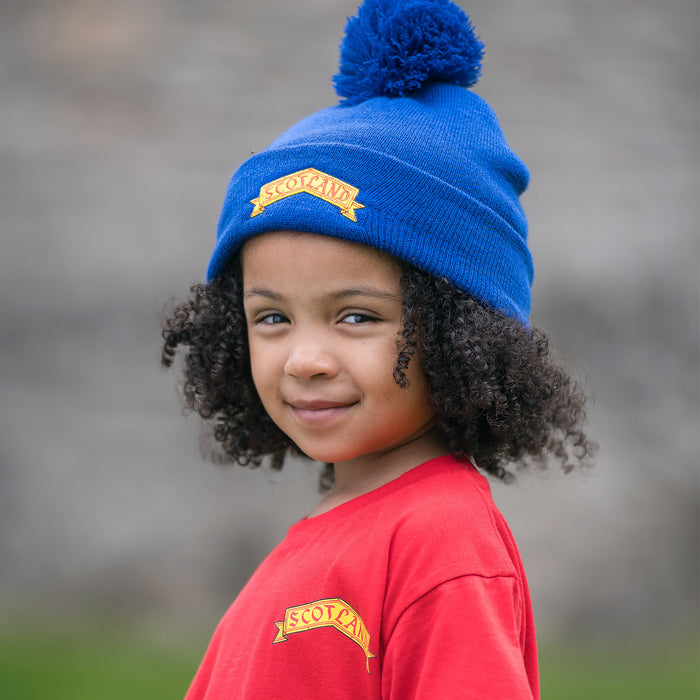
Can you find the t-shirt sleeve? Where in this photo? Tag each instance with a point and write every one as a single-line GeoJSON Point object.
{"type": "Point", "coordinates": [460, 640]}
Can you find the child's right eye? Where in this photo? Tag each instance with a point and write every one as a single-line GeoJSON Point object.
{"type": "Point", "coordinates": [272, 319]}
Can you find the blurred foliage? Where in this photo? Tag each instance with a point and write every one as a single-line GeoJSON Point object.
{"type": "Point", "coordinates": [53, 665]}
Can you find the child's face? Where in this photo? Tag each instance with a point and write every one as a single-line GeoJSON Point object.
{"type": "Point", "coordinates": [323, 317]}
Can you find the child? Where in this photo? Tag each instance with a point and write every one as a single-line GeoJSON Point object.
{"type": "Point", "coordinates": [367, 306]}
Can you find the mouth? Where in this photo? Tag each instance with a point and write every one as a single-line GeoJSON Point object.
{"type": "Point", "coordinates": [318, 411]}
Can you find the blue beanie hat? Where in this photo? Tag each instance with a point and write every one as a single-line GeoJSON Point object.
{"type": "Point", "coordinates": [410, 162]}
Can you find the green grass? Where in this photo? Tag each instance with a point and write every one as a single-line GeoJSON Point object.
{"type": "Point", "coordinates": [661, 670]}
{"type": "Point", "coordinates": [101, 665]}
{"type": "Point", "coordinates": [96, 665]}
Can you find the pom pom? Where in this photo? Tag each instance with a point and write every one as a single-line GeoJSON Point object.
{"type": "Point", "coordinates": [394, 47]}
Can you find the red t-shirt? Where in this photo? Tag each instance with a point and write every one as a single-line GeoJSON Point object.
{"type": "Point", "coordinates": [414, 590]}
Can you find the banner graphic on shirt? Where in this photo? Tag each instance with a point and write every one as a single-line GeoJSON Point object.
{"type": "Point", "coordinates": [329, 612]}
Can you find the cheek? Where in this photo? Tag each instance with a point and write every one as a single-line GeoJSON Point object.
{"type": "Point", "coordinates": [376, 370]}
{"type": "Point", "coordinates": [416, 376]}
{"type": "Point", "coordinates": [413, 399]}
{"type": "Point", "coordinates": [419, 388]}
{"type": "Point", "coordinates": [260, 368]}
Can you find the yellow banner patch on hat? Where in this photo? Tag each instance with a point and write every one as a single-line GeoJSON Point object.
{"type": "Point", "coordinates": [330, 612]}
{"type": "Point", "coordinates": [312, 182]}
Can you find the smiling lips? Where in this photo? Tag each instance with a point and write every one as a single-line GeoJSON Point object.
{"type": "Point", "coordinates": [319, 411]}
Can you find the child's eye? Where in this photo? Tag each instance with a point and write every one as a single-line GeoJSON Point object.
{"type": "Point", "coordinates": [272, 319]}
{"type": "Point", "coordinates": [358, 318]}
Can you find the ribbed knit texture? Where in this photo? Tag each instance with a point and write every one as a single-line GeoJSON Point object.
{"type": "Point", "coordinates": [438, 184]}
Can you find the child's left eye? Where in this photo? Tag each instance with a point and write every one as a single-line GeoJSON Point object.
{"type": "Point", "coordinates": [358, 318]}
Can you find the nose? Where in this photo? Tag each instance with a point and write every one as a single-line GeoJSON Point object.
{"type": "Point", "coordinates": [310, 356]}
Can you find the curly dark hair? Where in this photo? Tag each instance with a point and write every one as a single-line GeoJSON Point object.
{"type": "Point", "coordinates": [499, 397]}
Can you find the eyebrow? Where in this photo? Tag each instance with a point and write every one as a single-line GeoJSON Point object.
{"type": "Point", "coordinates": [260, 292]}
{"type": "Point", "coordinates": [361, 291]}
{"type": "Point", "coordinates": [365, 291]}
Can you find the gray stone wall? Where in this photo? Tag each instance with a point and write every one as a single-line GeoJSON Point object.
{"type": "Point", "coordinates": [120, 124]}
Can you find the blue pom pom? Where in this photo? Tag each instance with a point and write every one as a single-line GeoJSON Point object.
{"type": "Point", "coordinates": [393, 47]}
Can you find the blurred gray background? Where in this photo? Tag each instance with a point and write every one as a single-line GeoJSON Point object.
{"type": "Point", "coordinates": [120, 124]}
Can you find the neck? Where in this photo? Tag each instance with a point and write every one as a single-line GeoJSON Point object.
{"type": "Point", "coordinates": [361, 475]}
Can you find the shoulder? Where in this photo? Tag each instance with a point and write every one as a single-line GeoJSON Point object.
{"type": "Point", "coordinates": [447, 498]}
{"type": "Point", "coordinates": [446, 525]}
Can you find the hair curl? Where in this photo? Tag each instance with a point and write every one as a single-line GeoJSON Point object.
{"type": "Point", "coordinates": [498, 396]}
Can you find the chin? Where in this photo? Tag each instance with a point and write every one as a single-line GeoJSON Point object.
{"type": "Point", "coordinates": [328, 455]}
